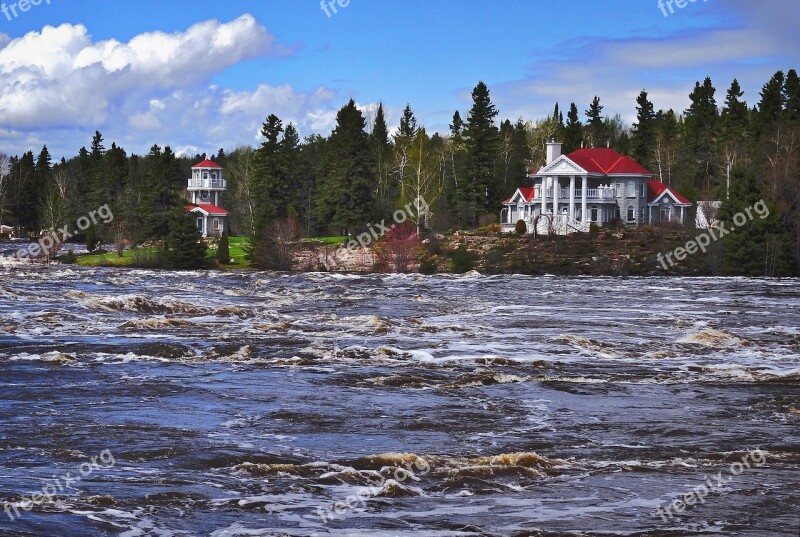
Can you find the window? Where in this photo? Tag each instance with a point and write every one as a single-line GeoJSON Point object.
{"type": "Point", "coordinates": [620, 189]}
{"type": "Point", "coordinates": [642, 189]}
{"type": "Point", "coordinates": [216, 224]}
{"type": "Point", "coordinates": [593, 213]}
{"type": "Point", "coordinates": [631, 189]}
{"type": "Point", "coordinates": [200, 224]}
{"type": "Point", "coordinates": [665, 214]}
{"type": "Point", "coordinates": [631, 214]}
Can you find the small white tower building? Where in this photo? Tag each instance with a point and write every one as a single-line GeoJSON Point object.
{"type": "Point", "coordinates": [205, 189]}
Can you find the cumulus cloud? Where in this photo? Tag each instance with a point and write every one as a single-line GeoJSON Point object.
{"type": "Point", "coordinates": [59, 80]}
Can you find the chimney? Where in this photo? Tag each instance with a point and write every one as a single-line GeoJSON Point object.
{"type": "Point", "coordinates": [553, 151]}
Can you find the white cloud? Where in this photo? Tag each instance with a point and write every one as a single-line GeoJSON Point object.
{"type": "Point", "coordinates": [59, 80]}
{"type": "Point", "coordinates": [756, 41]}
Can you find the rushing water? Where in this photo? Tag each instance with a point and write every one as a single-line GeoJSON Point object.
{"type": "Point", "coordinates": [249, 404]}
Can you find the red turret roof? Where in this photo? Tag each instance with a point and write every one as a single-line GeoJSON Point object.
{"type": "Point", "coordinates": [207, 164]}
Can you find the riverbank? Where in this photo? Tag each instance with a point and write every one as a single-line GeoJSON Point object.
{"type": "Point", "coordinates": [606, 252]}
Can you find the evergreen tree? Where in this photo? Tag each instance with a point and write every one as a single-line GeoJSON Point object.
{"type": "Point", "coordinates": [223, 249]}
{"type": "Point", "coordinates": [735, 113]}
{"type": "Point", "coordinates": [573, 131]}
{"type": "Point", "coordinates": [480, 192]}
{"type": "Point", "coordinates": [596, 135]}
{"type": "Point", "coordinates": [760, 247]}
{"type": "Point", "coordinates": [792, 95]}
{"type": "Point", "coordinates": [644, 130]}
{"type": "Point", "coordinates": [91, 238]}
{"type": "Point", "coordinates": [183, 248]}
{"type": "Point", "coordinates": [345, 195]}
{"type": "Point", "coordinates": [772, 103]}
{"type": "Point", "coordinates": [270, 192]}
{"type": "Point", "coordinates": [408, 124]}
{"type": "Point", "coordinates": [386, 191]}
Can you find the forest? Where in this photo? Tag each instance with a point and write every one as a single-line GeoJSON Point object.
{"type": "Point", "coordinates": [724, 148]}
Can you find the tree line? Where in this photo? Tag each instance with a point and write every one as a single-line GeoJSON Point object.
{"type": "Point", "coordinates": [363, 171]}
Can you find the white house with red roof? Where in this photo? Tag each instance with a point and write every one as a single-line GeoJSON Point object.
{"type": "Point", "coordinates": [591, 186]}
{"type": "Point", "coordinates": [205, 189]}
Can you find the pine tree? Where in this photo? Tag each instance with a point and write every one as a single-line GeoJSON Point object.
{"type": "Point", "coordinates": [270, 193]}
{"type": "Point", "coordinates": [345, 195]}
{"type": "Point", "coordinates": [644, 130]}
{"type": "Point", "coordinates": [408, 124]}
{"type": "Point", "coordinates": [480, 192]}
{"type": "Point", "coordinates": [183, 248]}
{"type": "Point", "coordinates": [772, 103]}
{"type": "Point", "coordinates": [735, 113]}
{"type": "Point", "coordinates": [91, 238]}
{"type": "Point", "coordinates": [573, 131]}
{"type": "Point", "coordinates": [792, 95]}
{"type": "Point", "coordinates": [223, 249]}
{"type": "Point", "coordinates": [595, 128]}
{"type": "Point", "coordinates": [382, 156]}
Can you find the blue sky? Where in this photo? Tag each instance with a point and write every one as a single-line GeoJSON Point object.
{"type": "Point", "coordinates": [199, 75]}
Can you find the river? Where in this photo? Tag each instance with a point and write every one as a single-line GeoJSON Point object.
{"type": "Point", "coordinates": [147, 403]}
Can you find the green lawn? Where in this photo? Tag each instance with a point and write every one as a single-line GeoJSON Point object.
{"type": "Point", "coordinates": [327, 240]}
{"type": "Point", "coordinates": [110, 259]}
{"type": "Point", "coordinates": [236, 245]}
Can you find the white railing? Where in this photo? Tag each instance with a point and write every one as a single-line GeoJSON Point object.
{"type": "Point", "coordinates": [207, 183]}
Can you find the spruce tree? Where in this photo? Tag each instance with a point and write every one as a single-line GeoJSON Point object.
{"type": "Point", "coordinates": [480, 192]}
{"type": "Point", "coordinates": [595, 128]}
{"type": "Point", "coordinates": [345, 195]}
{"type": "Point", "coordinates": [644, 130]}
{"type": "Point", "coordinates": [573, 130]}
{"type": "Point", "coordinates": [735, 113]}
{"type": "Point", "coordinates": [223, 249]}
{"type": "Point", "coordinates": [183, 248]}
{"type": "Point", "coordinates": [91, 238]}
{"type": "Point", "coordinates": [792, 95]}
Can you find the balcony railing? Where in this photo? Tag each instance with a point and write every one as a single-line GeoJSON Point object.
{"type": "Point", "coordinates": [207, 183]}
{"type": "Point", "coordinates": [591, 193]}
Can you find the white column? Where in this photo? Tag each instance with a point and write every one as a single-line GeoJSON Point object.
{"type": "Point", "coordinates": [682, 208]}
{"type": "Point", "coordinates": [556, 188]}
{"type": "Point", "coordinates": [572, 197]}
{"type": "Point", "coordinates": [584, 195]}
{"type": "Point", "coordinates": [543, 192]}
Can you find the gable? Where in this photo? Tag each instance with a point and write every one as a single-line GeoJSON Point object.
{"type": "Point", "coordinates": [563, 165]}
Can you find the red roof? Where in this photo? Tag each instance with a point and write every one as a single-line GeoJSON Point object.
{"type": "Point", "coordinates": [526, 191]}
{"type": "Point", "coordinates": [606, 162]}
{"type": "Point", "coordinates": [213, 210]}
{"type": "Point", "coordinates": [207, 164]}
{"type": "Point", "coordinates": [656, 188]}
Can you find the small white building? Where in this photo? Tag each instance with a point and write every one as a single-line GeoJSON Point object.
{"type": "Point", "coordinates": [7, 231]}
{"type": "Point", "coordinates": [591, 186]}
{"type": "Point", "coordinates": [205, 189]}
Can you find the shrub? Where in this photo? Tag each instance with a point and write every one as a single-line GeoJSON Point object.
{"type": "Point", "coordinates": [521, 228]}
{"type": "Point", "coordinates": [223, 249]}
{"type": "Point", "coordinates": [427, 263]}
{"type": "Point", "coordinates": [460, 262]}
